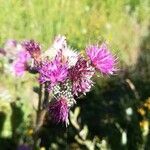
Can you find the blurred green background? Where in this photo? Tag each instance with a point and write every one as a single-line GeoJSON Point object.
{"type": "Point", "coordinates": [116, 113]}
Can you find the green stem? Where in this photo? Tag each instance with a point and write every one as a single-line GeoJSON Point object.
{"type": "Point", "coordinates": [38, 113]}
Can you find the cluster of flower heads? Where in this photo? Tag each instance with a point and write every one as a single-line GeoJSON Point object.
{"type": "Point", "coordinates": [67, 73]}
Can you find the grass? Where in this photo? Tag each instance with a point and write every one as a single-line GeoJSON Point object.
{"type": "Point", "coordinates": [120, 23]}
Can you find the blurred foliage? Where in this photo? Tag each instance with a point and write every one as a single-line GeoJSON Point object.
{"type": "Point", "coordinates": [116, 114]}
{"type": "Point", "coordinates": [122, 23]}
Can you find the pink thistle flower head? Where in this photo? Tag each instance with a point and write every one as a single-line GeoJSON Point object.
{"type": "Point", "coordinates": [20, 65]}
{"type": "Point", "coordinates": [59, 110]}
{"type": "Point", "coordinates": [60, 42]}
{"type": "Point", "coordinates": [70, 56]}
{"type": "Point", "coordinates": [53, 71]}
{"type": "Point", "coordinates": [101, 58]}
{"type": "Point", "coordinates": [58, 45]}
{"type": "Point", "coordinates": [33, 48]}
{"type": "Point", "coordinates": [61, 49]}
{"type": "Point", "coordinates": [80, 76]}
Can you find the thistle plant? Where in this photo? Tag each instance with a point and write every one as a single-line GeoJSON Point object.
{"type": "Point", "coordinates": [63, 73]}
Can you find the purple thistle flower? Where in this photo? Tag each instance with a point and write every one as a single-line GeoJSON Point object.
{"type": "Point", "coordinates": [53, 71]}
{"type": "Point", "coordinates": [20, 64]}
{"type": "Point", "coordinates": [33, 48]}
{"type": "Point", "coordinates": [19, 67]}
{"type": "Point", "coordinates": [59, 110]}
{"type": "Point", "coordinates": [80, 76]}
{"type": "Point", "coordinates": [101, 58]}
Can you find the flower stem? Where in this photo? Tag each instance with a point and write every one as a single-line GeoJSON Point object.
{"type": "Point", "coordinates": [38, 113]}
